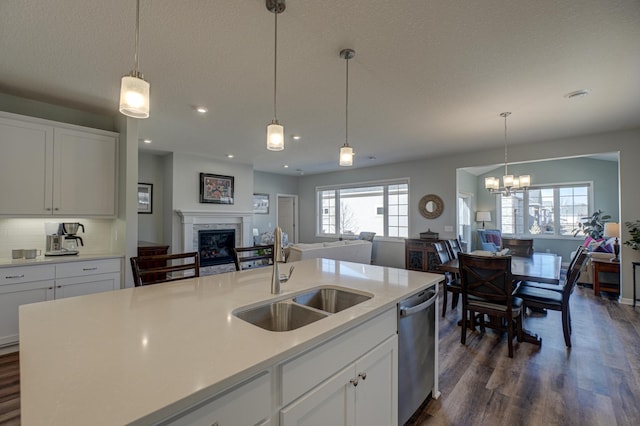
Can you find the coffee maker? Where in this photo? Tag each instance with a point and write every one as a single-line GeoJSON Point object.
{"type": "Point", "coordinates": [71, 240]}
{"type": "Point", "coordinates": [55, 240]}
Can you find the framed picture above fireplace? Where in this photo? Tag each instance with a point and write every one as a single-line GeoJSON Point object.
{"type": "Point", "coordinates": [216, 189]}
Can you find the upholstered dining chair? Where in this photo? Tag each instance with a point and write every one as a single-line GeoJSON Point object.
{"type": "Point", "coordinates": [164, 268]}
{"type": "Point", "coordinates": [541, 298]}
{"type": "Point", "coordinates": [451, 282]}
{"type": "Point", "coordinates": [522, 247]}
{"type": "Point", "coordinates": [487, 289]}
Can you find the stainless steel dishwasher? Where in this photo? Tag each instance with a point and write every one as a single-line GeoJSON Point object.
{"type": "Point", "coordinates": [416, 351]}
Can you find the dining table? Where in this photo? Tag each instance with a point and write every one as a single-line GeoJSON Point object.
{"type": "Point", "coordinates": [540, 267]}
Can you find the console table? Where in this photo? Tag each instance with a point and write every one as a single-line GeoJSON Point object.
{"type": "Point", "coordinates": [420, 255]}
{"type": "Point", "coordinates": [601, 266]}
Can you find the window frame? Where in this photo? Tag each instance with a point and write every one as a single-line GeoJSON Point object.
{"type": "Point", "coordinates": [385, 183]}
{"type": "Point", "coordinates": [555, 187]}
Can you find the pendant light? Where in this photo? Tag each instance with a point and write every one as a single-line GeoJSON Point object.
{"type": "Point", "coordinates": [346, 151]}
{"type": "Point", "coordinates": [510, 183]}
{"type": "Point", "coordinates": [275, 130]}
{"type": "Point", "coordinates": [134, 90]}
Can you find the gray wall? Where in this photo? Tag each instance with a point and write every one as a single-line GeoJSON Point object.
{"type": "Point", "coordinates": [438, 176]}
{"type": "Point", "coordinates": [603, 174]}
{"type": "Point", "coordinates": [151, 170]}
{"type": "Point", "coordinates": [272, 184]}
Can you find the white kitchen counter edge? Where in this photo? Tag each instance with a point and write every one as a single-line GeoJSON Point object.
{"type": "Point", "coordinates": [47, 260]}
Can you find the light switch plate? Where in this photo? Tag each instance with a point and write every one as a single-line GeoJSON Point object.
{"type": "Point", "coordinates": [448, 228]}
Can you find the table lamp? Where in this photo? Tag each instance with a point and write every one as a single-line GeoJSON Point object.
{"type": "Point", "coordinates": [612, 230]}
{"type": "Point", "coordinates": [483, 217]}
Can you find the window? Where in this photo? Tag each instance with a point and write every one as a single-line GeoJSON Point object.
{"type": "Point", "coordinates": [553, 210]}
{"type": "Point", "coordinates": [380, 207]}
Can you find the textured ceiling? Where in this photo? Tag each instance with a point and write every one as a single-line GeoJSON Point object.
{"type": "Point", "coordinates": [429, 77]}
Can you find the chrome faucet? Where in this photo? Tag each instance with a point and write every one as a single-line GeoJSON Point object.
{"type": "Point", "coordinates": [278, 256]}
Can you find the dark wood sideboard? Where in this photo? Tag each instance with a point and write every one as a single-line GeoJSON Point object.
{"type": "Point", "coordinates": [146, 248]}
{"type": "Point", "coordinates": [420, 255]}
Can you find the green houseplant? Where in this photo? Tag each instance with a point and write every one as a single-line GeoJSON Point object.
{"type": "Point", "coordinates": [592, 226]}
{"type": "Point", "coordinates": [634, 230]}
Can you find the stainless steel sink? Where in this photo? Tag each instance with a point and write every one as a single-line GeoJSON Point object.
{"type": "Point", "coordinates": [280, 316]}
{"type": "Point", "coordinates": [330, 299]}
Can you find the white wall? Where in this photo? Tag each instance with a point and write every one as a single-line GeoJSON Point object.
{"type": "Point", "coordinates": [272, 184]}
{"type": "Point", "coordinates": [438, 176]}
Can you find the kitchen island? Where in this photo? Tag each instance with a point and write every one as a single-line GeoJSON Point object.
{"type": "Point", "coordinates": [170, 352]}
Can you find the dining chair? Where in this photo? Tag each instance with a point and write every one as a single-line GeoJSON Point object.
{"type": "Point", "coordinates": [487, 289]}
{"type": "Point", "coordinates": [454, 247]}
{"type": "Point", "coordinates": [542, 298]}
{"type": "Point", "coordinates": [521, 247]}
{"type": "Point", "coordinates": [557, 287]}
{"type": "Point", "coordinates": [164, 268]}
{"type": "Point", "coordinates": [258, 256]}
{"type": "Point", "coordinates": [451, 282]}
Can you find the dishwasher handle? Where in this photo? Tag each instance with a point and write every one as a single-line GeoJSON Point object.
{"type": "Point", "coordinates": [405, 312]}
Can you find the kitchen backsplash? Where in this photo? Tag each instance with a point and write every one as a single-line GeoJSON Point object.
{"type": "Point", "coordinates": [30, 233]}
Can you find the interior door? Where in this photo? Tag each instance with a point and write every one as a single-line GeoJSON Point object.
{"type": "Point", "coordinates": [287, 216]}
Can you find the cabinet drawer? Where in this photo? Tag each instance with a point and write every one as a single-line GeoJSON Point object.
{"type": "Point", "coordinates": [303, 372]}
{"type": "Point", "coordinates": [89, 267]}
{"type": "Point", "coordinates": [246, 404]}
{"type": "Point", "coordinates": [23, 274]}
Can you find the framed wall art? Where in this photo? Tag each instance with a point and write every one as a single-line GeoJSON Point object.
{"type": "Point", "coordinates": [216, 189]}
{"type": "Point", "coordinates": [145, 198]}
{"type": "Point", "coordinates": [261, 203]}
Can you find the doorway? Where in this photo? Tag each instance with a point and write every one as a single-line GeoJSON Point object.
{"type": "Point", "coordinates": [287, 213]}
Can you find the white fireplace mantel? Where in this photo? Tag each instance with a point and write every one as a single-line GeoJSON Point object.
{"type": "Point", "coordinates": [191, 219]}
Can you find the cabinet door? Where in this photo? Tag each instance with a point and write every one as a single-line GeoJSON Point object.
{"type": "Point", "coordinates": [14, 295]}
{"type": "Point", "coordinates": [84, 173]}
{"type": "Point", "coordinates": [330, 403]}
{"type": "Point", "coordinates": [80, 286]}
{"type": "Point", "coordinates": [25, 167]}
{"type": "Point", "coordinates": [377, 390]}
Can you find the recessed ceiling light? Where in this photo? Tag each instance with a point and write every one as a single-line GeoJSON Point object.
{"type": "Point", "coordinates": [202, 110]}
{"type": "Point", "coordinates": [230, 155]}
{"type": "Point", "coordinates": [146, 140]}
{"type": "Point", "coordinates": [286, 166]}
{"type": "Point", "coordinates": [578, 94]}
{"type": "Point", "coordinates": [296, 137]}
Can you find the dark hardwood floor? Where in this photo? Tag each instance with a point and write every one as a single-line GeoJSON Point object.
{"type": "Point", "coordinates": [596, 382]}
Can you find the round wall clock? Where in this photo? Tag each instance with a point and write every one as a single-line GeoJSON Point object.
{"type": "Point", "coordinates": [431, 206]}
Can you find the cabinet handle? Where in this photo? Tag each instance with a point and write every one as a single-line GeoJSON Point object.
{"type": "Point", "coordinates": [50, 288]}
{"type": "Point", "coordinates": [10, 277]}
{"type": "Point", "coordinates": [354, 382]}
{"type": "Point", "coordinates": [56, 209]}
{"type": "Point", "coordinates": [58, 286]}
{"type": "Point", "coordinates": [90, 269]}
{"type": "Point", "coordinates": [48, 209]}
{"type": "Point", "coordinates": [363, 376]}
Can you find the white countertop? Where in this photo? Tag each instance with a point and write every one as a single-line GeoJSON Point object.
{"type": "Point", "coordinates": [6, 262]}
{"type": "Point", "coordinates": [113, 358]}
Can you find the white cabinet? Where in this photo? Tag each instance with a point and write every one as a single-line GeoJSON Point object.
{"type": "Point", "coordinates": [363, 393]}
{"type": "Point", "coordinates": [39, 283]}
{"type": "Point", "coordinates": [55, 170]}
{"type": "Point", "coordinates": [246, 404]}
{"type": "Point", "coordinates": [19, 286]}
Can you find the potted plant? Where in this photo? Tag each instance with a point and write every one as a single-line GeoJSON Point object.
{"type": "Point", "coordinates": [592, 226]}
{"type": "Point", "coordinates": [634, 230]}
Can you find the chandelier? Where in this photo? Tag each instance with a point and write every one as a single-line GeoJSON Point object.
{"type": "Point", "coordinates": [510, 184]}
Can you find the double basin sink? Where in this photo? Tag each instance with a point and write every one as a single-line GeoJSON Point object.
{"type": "Point", "coordinates": [302, 309]}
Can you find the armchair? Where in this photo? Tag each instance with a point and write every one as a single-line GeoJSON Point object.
{"type": "Point", "coordinates": [490, 239]}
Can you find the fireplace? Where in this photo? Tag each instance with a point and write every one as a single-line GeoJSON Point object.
{"type": "Point", "coordinates": [216, 246]}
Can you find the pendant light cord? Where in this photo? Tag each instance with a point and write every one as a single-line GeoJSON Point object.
{"type": "Point", "coordinates": [275, 61]}
{"type": "Point", "coordinates": [137, 37]}
{"type": "Point", "coordinates": [505, 115]}
{"type": "Point", "coordinates": [346, 109]}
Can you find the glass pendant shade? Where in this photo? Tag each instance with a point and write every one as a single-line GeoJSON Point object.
{"type": "Point", "coordinates": [525, 181]}
{"type": "Point", "coordinates": [275, 136]}
{"type": "Point", "coordinates": [507, 180]}
{"type": "Point", "coordinates": [134, 96]}
{"type": "Point", "coordinates": [346, 156]}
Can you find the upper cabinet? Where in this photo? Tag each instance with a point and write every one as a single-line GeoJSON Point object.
{"type": "Point", "coordinates": [56, 170]}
